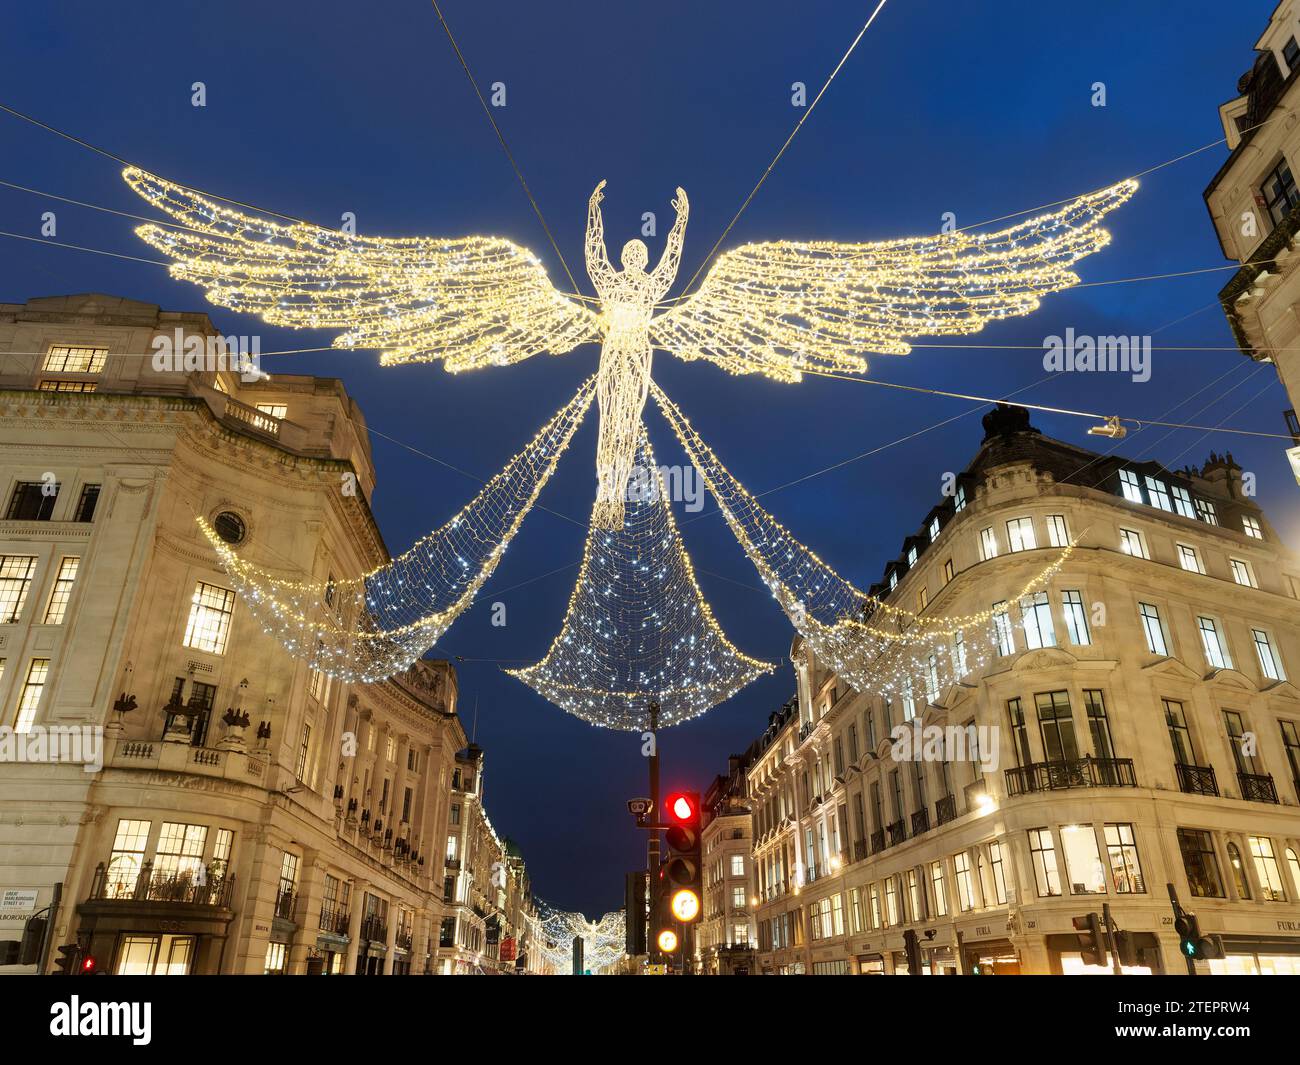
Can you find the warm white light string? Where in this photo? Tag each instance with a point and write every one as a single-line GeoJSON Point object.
{"type": "Point", "coordinates": [638, 628]}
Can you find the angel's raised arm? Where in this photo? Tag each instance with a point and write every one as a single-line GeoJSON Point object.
{"type": "Point", "coordinates": [598, 265]}
{"type": "Point", "coordinates": [666, 272]}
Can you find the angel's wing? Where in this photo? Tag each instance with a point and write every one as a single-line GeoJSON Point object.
{"type": "Point", "coordinates": [470, 301]}
{"type": "Point", "coordinates": [780, 307]}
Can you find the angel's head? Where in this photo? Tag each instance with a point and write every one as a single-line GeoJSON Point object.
{"type": "Point", "coordinates": [634, 255]}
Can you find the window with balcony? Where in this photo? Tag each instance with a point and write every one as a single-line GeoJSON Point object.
{"type": "Point", "coordinates": [273, 410]}
{"type": "Point", "coordinates": [1103, 744]}
{"type": "Point", "coordinates": [179, 857]}
{"type": "Point", "coordinates": [57, 607]}
{"type": "Point", "coordinates": [1019, 733]}
{"type": "Point", "coordinates": [1242, 744]}
{"type": "Point", "coordinates": [211, 610]}
{"type": "Point", "coordinates": [1042, 851]}
{"type": "Point", "coordinates": [197, 709]}
{"type": "Point", "coordinates": [1056, 724]}
{"type": "Point", "coordinates": [15, 582]}
{"type": "Point", "coordinates": [33, 501]}
{"type": "Point", "coordinates": [126, 859]}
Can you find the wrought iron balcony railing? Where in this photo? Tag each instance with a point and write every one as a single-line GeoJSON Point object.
{"type": "Point", "coordinates": [859, 850]}
{"type": "Point", "coordinates": [877, 841]}
{"type": "Point", "coordinates": [945, 810]}
{"type": "Point", "coordinates": [1086, 772]}
{"type": "Point", "coordinates": [123, 884]}
{"type": "Point", "coordinates": [897, 832]}
{"type": "Point", "coordinates": [284, 903]}
{"type": "Point", "coordinates": [1257, 787]}
{"type": "Point", "coordinates": [333, 919]}
{"type": "Point", "coordinates": [920, 821]}
{"type": "Point", "coordinates": [1196, 779]}
{"type": "Point", "coordinates": [374, 928]}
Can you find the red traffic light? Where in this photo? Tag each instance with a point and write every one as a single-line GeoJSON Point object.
{"type": "Point", "coordinates": [88, 964]}
{"type": "Point", "coordinates": [682, 807]}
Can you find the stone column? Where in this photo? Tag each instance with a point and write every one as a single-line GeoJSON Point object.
{"type": "Point", "coordinates": [354, 925]}
{"type": "Point", "coordinates": [311, 890]}
{"type": "Point", "coordinates": [391, 937]}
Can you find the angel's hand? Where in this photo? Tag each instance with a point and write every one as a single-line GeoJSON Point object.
{"type": "Point", "coordinates": [681, 203]}
{"type": "Point", "coordinates": [598, 195]}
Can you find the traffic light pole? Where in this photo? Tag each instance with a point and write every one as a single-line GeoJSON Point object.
{"type": "Point", "coordinates": [653, 846]}
{"type": "Point", "coordinates": [1112, 940]}
{"type": "Point", "coordinates": [1178, 912]}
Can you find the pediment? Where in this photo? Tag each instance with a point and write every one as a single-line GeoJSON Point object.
{"type": "Point", "coordinates": [1173, 667]}
{"type": "Point", "coordinates": [1283, 689]}
{"type": "Point", "coordinates": [1044, 658]}
{"type": "Point", "coordinates": [1231, 678]}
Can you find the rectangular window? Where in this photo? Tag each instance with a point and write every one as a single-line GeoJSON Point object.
{"type": "Point", "coordinates": [1122, 854]}
{"type": "Point", "coordinates": [1058, 533]}
{"type": "Point", "coordinates": [15, 582]}
{"type": "Point", "coordinates": [1057, 726]}
{"type": "Point", "coordinates": [1251, 527]}
{"type": "Point", "coordinates": [915, 895]}
{"type": "Point", "coordinates": [959, 666]}
{"type": "Point", "coordinates": [1158, 494]}
{"type": "Point", "coordinates": [33, 501]}
{"type": "Point", "coordinates": [737, 865]}
{"type": "Point", "coordinates": [1279, 192]}
{"type": "Point", "coordinates": [1180, 736]}
{"type": "Point", "coordinates": [1269, 662]}
{"type": "Point", "coordinates": [939, 889]}
{"type": "Point", "coordinates": [911, 557]}
{"type": "Point", "coordinates": [304, 749]}
{"type": "Point", "coordinates": [1242, 573]}
{"type": "Point", "coordinates": [1083, 865]}
{"type": "Point", "coordinates": [1130, 485]}
{"type": "Point", "coordinates": [891, 901]}
{"type": "Point", "coordinates": [1266, 868]}
{"type": "Point", "coordinates": [274, 410]}
{"type": "Point", "coordinates": [1200, 863]}
{"type": "Point", "coordinates": [1290, 744]}
{"type": "Point", "coordinates": [29, 699]}
{"type": "Point", "coordinates": [1206, 512]}
{"type": "Point", "coordinates": [876, 915]}
{"type": "Point", "coordinates": [209, 623]}
{"type": "Point", "coordinates": [87, 503]}
{"type": "Point", "coordinates": [276, 959]}
{"type": "Point", "coordinates": [1216, 650]}
{"type": "Point", "coordinates": [126, 859]}
{"type": "Point", "coordinates": [180, 852]}
{"type": "Point", "coordinates": [959, 500]}
{"type": "Point", "coordinates": [1020, 535]}
{"type": "Point", "coordinates": [1002, 627]}
{"type": "Point", "coordinates": [1036, 615]}
{"type": "Point", "coordinates": [1154, 630]}
{"type": "Point", "coordinates": [61, 359]}
{"type": "Point", "coordinates": [1019, 734]}
{"type": "Point", "coordinates": [1131, 543]}
{"type": "Point", "coordinates": [1183, 502]}
{"type": "Point", "coordinates": [738, 898]}
{"type": "Point", "coordinates": [922, 598]}
{"type": "Point", "coordinates": [1190, 559]}
{"type": "Point", "coordinates": [1076, 617]}
{"type": "Point", "coordinates": [965, 882]}
{"type": "Point", "coordinates": [948, 572]}
{"type": "Point", "coordinates": [998, 872]}
{"type": "Point", "coordinates": [988, 544]}
{"type": "Point", "coordinates": [1043, 852]}
{"type": "Point", "coordinates": [57, 607]}
{"type": "Point", "coordinates": [1103, 746]}
{"type": "Point", "coordinates": [1242, 753]}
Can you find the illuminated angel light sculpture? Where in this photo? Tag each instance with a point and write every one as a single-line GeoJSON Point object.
{"type": "Point", "coordinates": [777, 308]}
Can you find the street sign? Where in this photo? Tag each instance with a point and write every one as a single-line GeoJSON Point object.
{"type": "Point", "coordinates": [639, 807]}
{"type": "Point", "coordinates": [17, 900]}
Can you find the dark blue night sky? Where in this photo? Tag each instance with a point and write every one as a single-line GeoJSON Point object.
{"type": "Point", "coordinates": [981, 109]}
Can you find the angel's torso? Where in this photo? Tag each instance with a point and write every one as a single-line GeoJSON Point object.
{"type": "Point", "coordinates": [627, 302]}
